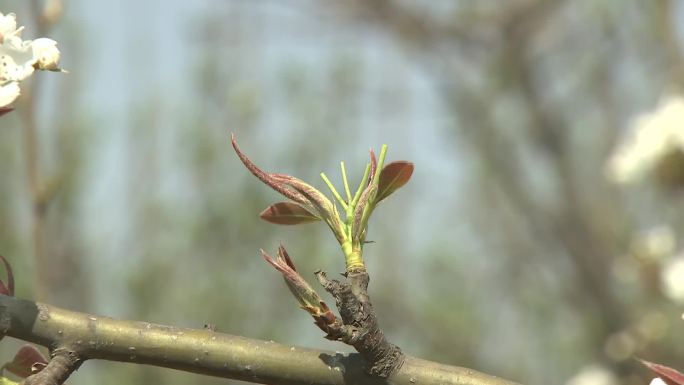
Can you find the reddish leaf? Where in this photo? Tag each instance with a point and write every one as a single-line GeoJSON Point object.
{"type": "Point", "coordinates": [282, 253]}
{"type": "Point", "coordinates": [287, 213]}
{"type": "Point", "coordinates": [316, 202]}
{"type": "Point", "coordinates": [270, 180]}
{"type": "Point", "coordinates": [373, 166]}
{"type": "Point", "coordinates": [667, 374]}
{"type": "Point", "coordinates": [9, 289]}
{"type": "Point", "coordinates": [360, 207]}
{"type": "Point", "coordinates": [303, 292]}
{"type": "Point", "coordinates": [4, 110]}
{"type": "Point", "coordinates": [307, 297]}
{"type": "Point", "coordinates": [26, 362]}
{"type": "Point", "coordinates": [392, 177]}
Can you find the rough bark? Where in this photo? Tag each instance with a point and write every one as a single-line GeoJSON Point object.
{"type": "Point", "coordinates": [64, 361]}
{"type": "Point", "coordinates": [361, 328]}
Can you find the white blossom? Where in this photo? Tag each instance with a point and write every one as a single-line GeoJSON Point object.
{"type": "Point", "coordinates": [19, 58]}
{"type": "Point", "coordinates": [45, 53]}
{"type": "Point", "coordinates": [672, 279]}
{"type": "Point", "coordinates": [593, 375]}
{"type": "Point", "coordinates": [655, 243]}
{"type": "Point", "coordinates": [8, 25]}
{"type": "Point", "coordinates": [652, 138]}
{"type": "Point", "coordinates": [657, 381]}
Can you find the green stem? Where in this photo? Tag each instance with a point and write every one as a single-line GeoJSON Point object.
{"type": "Point", "coordinates": [381, 162]}
{"type": "Point", "coordinates": [353, 258]}
{"type": "Point", "coordinates": [334, 191]}
{"type": "Point", "coordinates": [357, 195]}
{"type": "Point", "coordinates": [346, 183]}
{"type": "Point", "coordinates": [376, 178]}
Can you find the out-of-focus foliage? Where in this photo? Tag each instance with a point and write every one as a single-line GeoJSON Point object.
{"type": "Point", "coordinates": [512, 252]}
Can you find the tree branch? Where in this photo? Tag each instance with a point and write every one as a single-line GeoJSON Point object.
{"type": "Point", "coordinates": [64, 362]}
{"type": "Point", "coordinates": [361, 328]}
{"type": "Point", "coordinates": [206, 351]}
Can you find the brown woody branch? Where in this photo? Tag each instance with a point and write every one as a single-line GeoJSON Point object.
{"type": "Point", "coordinates": [205, 351]}
{"type": "Point", "coordinates": [64, 362]}
{"type": "Point", "coordinates": [361, 328]}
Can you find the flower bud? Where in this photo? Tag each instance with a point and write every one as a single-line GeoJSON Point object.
{"type": "Point", "coordinates": [46, 54]}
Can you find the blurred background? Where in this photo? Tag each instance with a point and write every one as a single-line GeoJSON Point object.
{"type": "Point", "coordinates": [526, 245]}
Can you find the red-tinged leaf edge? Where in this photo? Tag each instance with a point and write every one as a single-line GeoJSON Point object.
{"type": "Point", "coordinates": [287, 213]}
{"type": "Point", "coordinates": [360, 207]}
{"type": "Point", "coordinates": [278, 263]}
{"type": "Point", "coordinates": [269, 179]}
{"type": "Point", "coordinates": [373, 166]}
{"type": "Point", "coordinates": [9, 288]}
{"type": "Point", "coordinates": [282, 253]}
{"type": "Point", "coordinates": [667, 374]}
{"type": "Point", "coordinates": [324, 319]}
{"type": "Point", "coordinates": [4, 110]}
{"type": "Point", "coordinates": [392, 177]}
{"type": "Point", "coordinates": [26, 362]}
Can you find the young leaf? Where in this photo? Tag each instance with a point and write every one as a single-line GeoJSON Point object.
{"type": "Point", "coordinates": [9, 288]}
{"type": "Point", "coordinates": [287, 213]}
{"type": "Point", "coordinates": [358, 224]}
{"type": "Point", "coordinates": [271, 180]}
{"type": "Point", "coordinates": [26, 362]}
{"type": "Point", "coordinates": [302, 291]}
{"type": "Point", "coordinates": [307, 297]}
{"type": "Point", "coordinates": [392, 177]}
{"type": "Point", "coordinates": [667, 374]}
{"type": "Point", "coordinates": [320, 204]}
{"type": "Point", "coordinates": [373, 166]}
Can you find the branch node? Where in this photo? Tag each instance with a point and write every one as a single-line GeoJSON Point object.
{"type": "Point", "coordinates": [360, 326]}
{"type": "Point", "coordinates": [64, 362]}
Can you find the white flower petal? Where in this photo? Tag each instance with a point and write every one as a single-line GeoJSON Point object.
{"type": "Point", "coordinates": [655, 243]}
{"type": "Point", "coordinates": [672, 279]}
{"type": "Point", "coordinates": [45, 54]}
{"type": "Point", "coordinates": [8, 93]}
{"type": "Point", "coordinates": [14, 65]}
{"type": "Point", "coordinates": [593, 375]}
{"type": "Point", "coordinates": [8, 25]}
{"type": "Point", "coordinates": [651, 138]}
{"type": "Point", "coordinates": [20, 58]}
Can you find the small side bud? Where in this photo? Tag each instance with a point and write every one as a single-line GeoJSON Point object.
{"type": "Point", "coordinates": [307, 297]}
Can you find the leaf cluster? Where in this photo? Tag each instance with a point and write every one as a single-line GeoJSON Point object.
{"type": "Point", "coordinates": [348, 216]}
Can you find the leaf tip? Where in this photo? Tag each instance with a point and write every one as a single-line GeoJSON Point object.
{"type": "Point", "coordinates": [282, 253]}
{"type": "Point", "coordinates": [9, 288]}
{"type": "Point", "coordinates": [233, 142]}
{"type": "Point", "coordinates": [267, 257]}
{"type": "Point", "coordinates": [669, 375]}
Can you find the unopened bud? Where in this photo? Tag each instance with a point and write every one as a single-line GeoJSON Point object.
{"type": "Point", "coordinates": [46, 54]}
